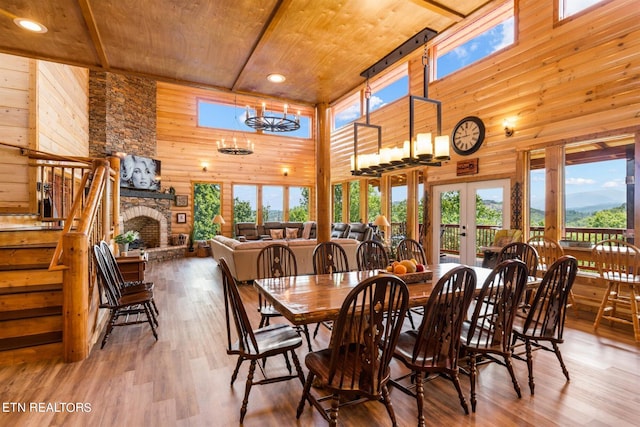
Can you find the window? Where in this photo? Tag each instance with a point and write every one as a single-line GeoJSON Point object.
{"type": "Point", "coordinates": [393, 85]}
{"type": "Point", "coordinates": [347, 111]}
{"type": "Point", "coordinates": [537, 192]}
{"type": "Point", "coordinates": [373, 207]}
{"type": "Point", "coordinates": [272, 203]}
{"type": "Point", "coordinates": [595, 189]}
{"type": "Point", "coordinates": [206, 205]}
{"type": "Point", "coordinates": [354, 201]}
{"type": "Point", "coordinates": [299, 204]}
{"type": "Point", "coordinates": [470, 44]}
{"type": "Point", "coordinates": [567, 8]}
{"type": "Point", "coordinates": [232, 117]}
{"type": "Point", "coordinates": [337, 203]}
{"type": "Point", "coordinates": [398, 208]}
{"type": "Point", "coordinates": [245, 201]}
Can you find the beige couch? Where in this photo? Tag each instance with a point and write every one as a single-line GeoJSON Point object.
{"type": "Point", "coordinates": [242, 256]}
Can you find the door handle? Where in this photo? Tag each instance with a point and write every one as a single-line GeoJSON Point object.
{"type": "Point", "coordinates": [463, 234]}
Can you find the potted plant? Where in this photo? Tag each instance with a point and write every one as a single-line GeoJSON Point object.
{"type": "Point", "coordinates": [192, 241]}
{"type": "Point", "coordinates": [124, 239]}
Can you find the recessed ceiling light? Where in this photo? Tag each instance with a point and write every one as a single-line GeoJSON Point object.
{"type": "Point", "coordinates": [28, 24]}
{"type": "Point", "coordinates": [276, 78]}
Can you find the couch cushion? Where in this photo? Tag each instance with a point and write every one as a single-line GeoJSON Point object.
{"type": "Point", "coordinates": [276, 233]}
{"type": "Point", "coordinates": [360, 231]}
{"type": "Point", "coordinates": [291, 233]}
{"type": "Point", "coordinates": [339, 229]}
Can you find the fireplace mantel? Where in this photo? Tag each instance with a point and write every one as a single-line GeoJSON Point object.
{"type": "Point", "coordinates": [127, 192]}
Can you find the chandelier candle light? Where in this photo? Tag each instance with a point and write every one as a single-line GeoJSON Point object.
{"type": "Point", "coordinates": [419, 149]}
{"type": "Point", "coordinates": [234, 148]}
{"type": "Point", "coordinates": [270, 122]}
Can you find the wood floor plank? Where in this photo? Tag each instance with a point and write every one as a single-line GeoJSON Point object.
{"type": "Point", "coordinates": [183, 378]}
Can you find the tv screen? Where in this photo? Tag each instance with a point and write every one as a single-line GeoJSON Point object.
{"type": "Point", "coordinates": [140, 173]}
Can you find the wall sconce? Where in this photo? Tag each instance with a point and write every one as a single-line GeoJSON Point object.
{"type": "Point", "coordinates": [285, 172]}
{"type": "Point", "coordinates": [508, 127]}
{"type": "Point", "coordinates": [205, 167]}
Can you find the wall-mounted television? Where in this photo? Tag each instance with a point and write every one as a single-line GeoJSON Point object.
{"type": "Point", "coordinates": [140, 173]}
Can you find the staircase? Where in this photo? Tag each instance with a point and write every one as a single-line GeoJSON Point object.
{"type": "Point", "coordinates": [30, 296]}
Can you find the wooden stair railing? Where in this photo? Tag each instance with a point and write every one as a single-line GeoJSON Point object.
{"type": "Point", "coordinates": [93, 216]}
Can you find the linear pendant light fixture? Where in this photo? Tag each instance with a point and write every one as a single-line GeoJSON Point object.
{"type": "Point", "coordinates": [418, 149]}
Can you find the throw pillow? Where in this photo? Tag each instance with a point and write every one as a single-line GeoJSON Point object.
{"type": "Point", "coordinates": [292, 233]}
{"type": "Point", "coordinates": [276, 234]}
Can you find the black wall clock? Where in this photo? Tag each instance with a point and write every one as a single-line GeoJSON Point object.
{"type": "Point", "coordinates": [468, 135]}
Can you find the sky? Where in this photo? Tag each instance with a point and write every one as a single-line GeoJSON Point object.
{"type": "Point", "coordinates": [604, 178]}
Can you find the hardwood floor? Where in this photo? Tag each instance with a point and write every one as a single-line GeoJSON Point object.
{"type": "Point", "coordinates": [183, 379]}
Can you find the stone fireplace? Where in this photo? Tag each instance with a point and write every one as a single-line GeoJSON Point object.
{"type": "Point", "coordinates": [149, 222]}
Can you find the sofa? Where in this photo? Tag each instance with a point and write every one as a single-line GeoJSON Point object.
{"type": "Point", "coordinates": [353, 230]}
{"type": "Point", "coordinates": [242, 256]}
{"type": "Point", "coordinates": [275, 230]}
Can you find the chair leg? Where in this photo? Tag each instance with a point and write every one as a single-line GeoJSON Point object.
{"type": "Point", "coordinates": [150, 319]}
{"type": "Point", "coordinates": [463, 402]}
{"type": "Point", "coordinates": [110, 323]}
{"type": "Point", "coordinates": [556, 350]}
{"type": "Point", "coordinates": [247, 389]}
{"type": "Point", "coordinates": [235, 371]}
{"type": "Point", "coordinates": [286, 360]}
{"type": "Point", "coordinates": [305, 395]}
{"type": "Point", "coordinates": [410, 319]}
{"type": "Point", "coordinates": [333, 412]}
{"type": "Point", "coordinates": [472, 379]}
{"type": "Point", "coordinates": [296, 363]}
{"type": "Point", "coordinates": [305, 330]}
{"type": "Point", "coordinates": [315, 332]}
{"type": "Point", "coordinates": [514, 380]}
{"type": "Point", "coordinates": [387, 403]}
{"type": "Point", "coordinates": [603, 305]}
{"type": "Point", "coordinates": [634, 299]}
{"type": "Point", "coordinates": [530, 365]}
{"type": "Point", "coordinates": [420, 398]}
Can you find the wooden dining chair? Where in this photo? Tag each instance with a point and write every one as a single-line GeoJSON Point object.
{"type": "Point", "coordinates": [255, 345]}
{"type": "Point", "coordinates": [364, 336]}
{"type": "Point", "coordinates": [371, 255]}
{"type": "Point", "coordinates": [411, 249]}
{"type": "Point", "coordinates": [129, 309]}
{"type": "Point", "coordinates": [544, 324]}
{"type": "Point", "coordinates": [527, 254]}
{"type": "Point", "coordinates": [276, 260]}
{"type": "Point", "coordinates": [618, 263]}
{"type": "Point", "coordinates": [434, 348]}
{"type": "Point", "coordinates": [329, 258]}
{"type": "Point", "coordinates": [488, 333]}
{"type": "Point", "coordinates": [126, 287]}
{"type": "Point", "coordinates": [549, 251]}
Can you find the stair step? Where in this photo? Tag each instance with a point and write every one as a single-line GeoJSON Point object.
{"type": "Point", "coordinates": [30, 289]}
{"type": "Point", "coordinates": [24, 267]}
{"type": "Point", "coordinates": [30, 341]}
{"type": "Point", "coordinates": [30, 313]}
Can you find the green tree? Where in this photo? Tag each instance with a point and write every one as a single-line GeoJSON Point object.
{"type": "Point", "coordinates": [374, 206]}
{"type": "Point", "coordinates": [206, 204]}
{"type": "Point", "coordinates": [337, 203]}
{"type": "Point", "coordinates": [450, 207]}
{"type": "Point", "coordinates": [354, 201]}
{"type": "Point", "coordinates": [300, 213]}
{"type": "Point", "coordinates": [242, 211]}
{"type": "Point", "coordinates": [609, 218]}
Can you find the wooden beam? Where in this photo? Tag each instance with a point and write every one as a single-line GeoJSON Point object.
{"type": "Point", "coordinates": [90, 20]}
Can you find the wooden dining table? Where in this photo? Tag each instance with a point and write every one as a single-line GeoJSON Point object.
{"type": "Point", "coordinates": [316, 298]}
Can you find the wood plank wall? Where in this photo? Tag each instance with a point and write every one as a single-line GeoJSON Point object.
{"type": "Point", "coordinates": [183, 147]}
{"type": "Point", "coordinates": [558, 82]}
{"type": "Point", "coordinates": [14, 129]}
{"type": "Point", "coordinates": [45, 107]}
{"type": "Point", "coordinates": [63, 109]}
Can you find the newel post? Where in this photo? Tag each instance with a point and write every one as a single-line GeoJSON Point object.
{"type": "Point", "coordinates": [75, 297]}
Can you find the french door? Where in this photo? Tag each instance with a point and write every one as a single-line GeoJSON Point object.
{"type": "Point", "coordinates": [466, 213]}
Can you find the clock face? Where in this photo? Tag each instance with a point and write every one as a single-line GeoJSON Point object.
{"type": "Point", "coordinates": [468, 135]}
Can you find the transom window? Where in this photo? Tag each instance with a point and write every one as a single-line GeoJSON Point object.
{"type": "Point", "coordinates": [567, 8]}
{"type": "Point", "coordinates": [231, 117]}
{"type": "Point", "coordinates": [474, 42]}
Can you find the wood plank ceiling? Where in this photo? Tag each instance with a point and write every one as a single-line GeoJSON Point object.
{"type": "Point", "coordinates": [320, 46]}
